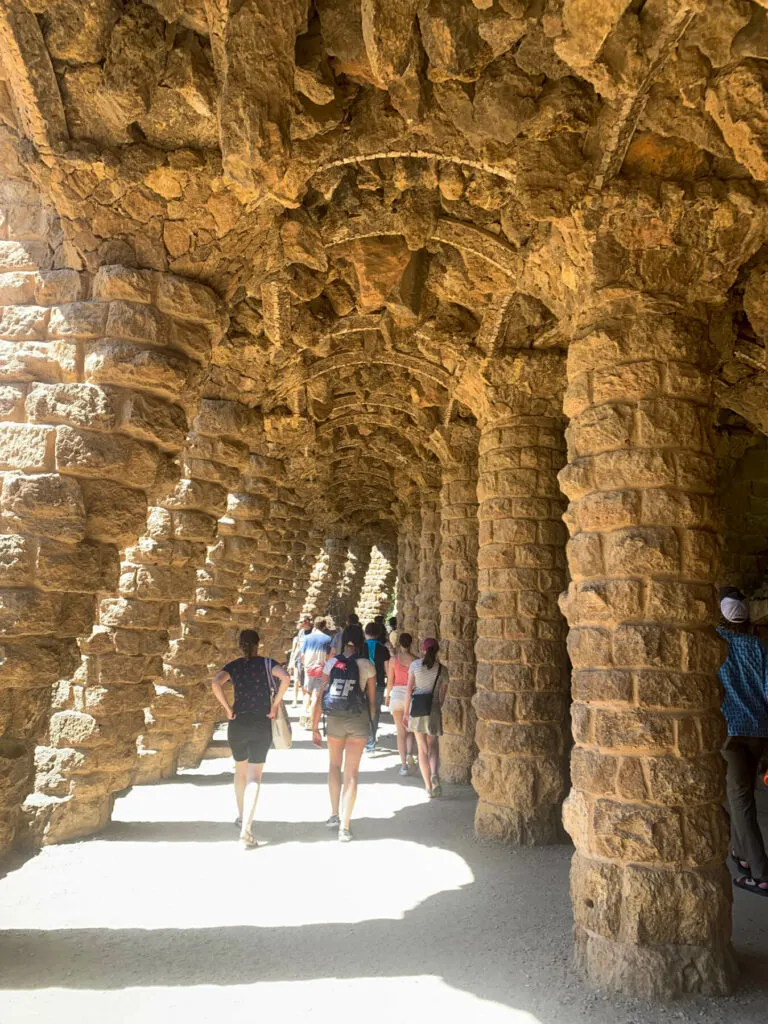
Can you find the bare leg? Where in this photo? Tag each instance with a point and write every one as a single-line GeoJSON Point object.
{"type": "Point", "coordinates": [434, 753]}
{"type": "Point", "coordinates": [353, 752]}
{"type": "Point", "coordinates": [401, 736]}
{"type": "Point", "coordinates": [240, 776]}
{"type": "Point", "coordinates": [424, 766]}
{"type": "Point", "coordinates": [251, 796]}
{"type": "Point", "coordinates": [336, 758]}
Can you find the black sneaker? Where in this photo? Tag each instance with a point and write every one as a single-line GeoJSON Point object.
{"type": "Point", "coordinates": [333, 822]}
{"type": "Point", "coordinates": [238, 822]}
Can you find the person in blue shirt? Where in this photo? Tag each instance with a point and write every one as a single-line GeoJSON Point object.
{"type": "Point", "coordinates": [744, 676]}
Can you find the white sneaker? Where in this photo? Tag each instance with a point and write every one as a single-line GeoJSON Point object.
{"type": "Point", "coordinates": [403, 770]}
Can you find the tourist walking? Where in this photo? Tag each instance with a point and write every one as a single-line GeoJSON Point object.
{"type": "Point", "coordinates": [314, 650]}
{"type": "Point", "coordinates": [425, 693]}
{"type": "Point", "coordinates": [394, 698]}
{"type": "Point", "coordinates": [392, 635]}
{"type": "Point", "coordinates": [379, 655]}
{"type": "Point", "coordinates": [259, 686]}
{"type": "Point", "coordinates": [744, 676]}
{"type": "Point", "coordinates": [295, 667]}
{"type": "Point", "coordinates": [347, 699]}
{"type": "Point", "coordinates": [352, 620]}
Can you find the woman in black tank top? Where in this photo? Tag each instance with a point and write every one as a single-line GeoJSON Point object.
{"type": "Point", "coordinates": [250, 721]}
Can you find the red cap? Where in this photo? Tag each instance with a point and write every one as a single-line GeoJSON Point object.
{"type": "Point", "coordinates": [428, 643]}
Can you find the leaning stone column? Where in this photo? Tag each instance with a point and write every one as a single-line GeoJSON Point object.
{"type": "Point", "coordinates": [521, 661]}
{"type": "Point", "coordinates": [458, 612]}
{"type": "Point", "coordinates": [376, 592]}
{"type": "Point", "coordinates": [429, 567]}
{"type": "Point", "coordinates": [651, 895]}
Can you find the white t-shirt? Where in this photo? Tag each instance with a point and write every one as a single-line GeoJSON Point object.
{"type": "Point", "coordinates": [424, 678]}
{"type": "Point", "coordinates": [365, 669]}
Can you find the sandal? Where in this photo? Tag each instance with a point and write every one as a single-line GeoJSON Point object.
{"type": "Point", "coordinates": [436, 788]}
{"type": "Point", "coordinates": [742, 865]}
{"type": "Point", "coordinates": [748, 884]}
{"type": "Point", "coordinates": [248, 842]}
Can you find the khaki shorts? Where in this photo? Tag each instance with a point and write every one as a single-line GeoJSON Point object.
{"type": "Point", "coordinates": [339, 727]}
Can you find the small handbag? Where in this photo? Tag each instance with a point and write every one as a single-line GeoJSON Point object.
{"type": "Point", "coordinates": [421, 703]}
{"type": "Point", "coordinates": [282, 738]}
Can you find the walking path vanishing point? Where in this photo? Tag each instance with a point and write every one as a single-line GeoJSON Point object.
{"type": "Point", "coordinates": [162, 917]}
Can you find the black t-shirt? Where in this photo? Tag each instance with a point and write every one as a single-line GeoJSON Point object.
{"type": "Point", "coordinates": [379, 655]}
{"type": "Point", "coordinates": [251, 682]}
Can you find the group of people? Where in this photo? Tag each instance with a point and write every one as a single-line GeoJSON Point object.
{"type": "Point", "coordinates": [345, 679]}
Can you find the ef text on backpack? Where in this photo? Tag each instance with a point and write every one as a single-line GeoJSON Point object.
{"type": "Point", "coordinates": [343, 696]}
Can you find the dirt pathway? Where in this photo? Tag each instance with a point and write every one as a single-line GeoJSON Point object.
{"type": "Point", "coordinates": [162, 917]}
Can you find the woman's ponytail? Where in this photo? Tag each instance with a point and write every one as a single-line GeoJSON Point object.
{"type": "Point", "coordinates": [249, 641]}
{"type": "Point", "coordinates": [429, 658]}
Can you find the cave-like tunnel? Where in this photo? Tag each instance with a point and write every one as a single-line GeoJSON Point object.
{"type": "Point", "coordinates": [452, 308]}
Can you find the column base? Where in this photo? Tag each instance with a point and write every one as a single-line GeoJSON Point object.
{"type": "Point", "coordinates": [457, 755]}
{"type": "Point", "coordinates": [540, 827]}
{"type": "Point", "coordinates": [655, 972]}
{"type": "Point", "coordinates": [58, 819]}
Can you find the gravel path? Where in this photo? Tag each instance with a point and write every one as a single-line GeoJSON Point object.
{"type": "Point", "coordinates": [163, 916]}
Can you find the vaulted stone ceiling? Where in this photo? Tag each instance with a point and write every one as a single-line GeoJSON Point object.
{"type": "Point", "coordinates": [398, 198]}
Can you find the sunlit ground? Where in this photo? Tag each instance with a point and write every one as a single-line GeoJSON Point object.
{"type": "Point", "coordinates": [164, 917]}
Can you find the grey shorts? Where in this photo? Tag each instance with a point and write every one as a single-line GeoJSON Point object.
{"type": "Point", "coordinates": [338, 727]}
{"type": "Point", "coordinates": [312, 683]}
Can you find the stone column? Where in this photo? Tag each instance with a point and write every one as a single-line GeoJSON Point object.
{"type": "Point", "coordinates": [188, 517]}
{"type": "Point", "coordinates": [350, 586]}
{"type": "Point", "coordinates": [408, 572]}
{"type": "Point", "coordinates": [522, 679]}
{"type": "Point", "coordinates": [458, 614]}
{"type": "Point", "coordinates": [117, 421]}
{"type": "Point", "coordinates": [376, 592]}
{"type": "Point", "coordinates": [325, 576]}
{"type": "Point", "coordinates": [651, 895]}
{"type": "Point", "coordinates": [429, 568]}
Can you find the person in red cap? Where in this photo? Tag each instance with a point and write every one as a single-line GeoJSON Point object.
{"type": "Point", "coordinates": [424, 696]}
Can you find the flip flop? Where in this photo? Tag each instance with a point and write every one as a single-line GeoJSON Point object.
{"type": "Point", "coordinates": [248, 842]}
{"type": "Point", "coordinates": [739, 862]}
{"type": "Point", "coordinates": [743, 883]}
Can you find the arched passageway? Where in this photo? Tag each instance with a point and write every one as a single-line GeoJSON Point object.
{"type": "Point", "coordinates": [349, 304]}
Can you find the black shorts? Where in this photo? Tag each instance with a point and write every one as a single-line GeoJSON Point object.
{"type": "Point", "coordinates": [250, 737]}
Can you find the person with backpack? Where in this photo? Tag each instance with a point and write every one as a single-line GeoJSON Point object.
{"type": "Point", "coordinates": [424, 696]}
{"type": "Point", "coordinates": [379, 655]}
{"type": "Point", "coordinates": [257, 701]}
{"type": "Point", "coordinates": [347, 700]}
{"type": "Point", "coordinates": [394, 698]}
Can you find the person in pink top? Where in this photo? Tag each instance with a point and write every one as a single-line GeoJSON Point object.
{"type": "Point", "coordinates": [394, 697]}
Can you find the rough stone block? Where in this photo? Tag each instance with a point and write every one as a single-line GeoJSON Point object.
{"type": "Point", "coordinates": [115, 282]}
{"type": "Point", "coordinates": [55, 287]}
{"type": "Point", "coordinates": [78, 320]}
{"type": "Point", "coordinates": [113, 513]}
{"type": "Point", "coordinates": [80, 568]}
{"type": "Point", "coordinates": [641, 833]}
{"type": "Point", "coordinates": [25, 447]}
{"type": "Point", "coordinates": [91, 454]}
{"type": "Point", "coordinates": [79, 405]}
{"type": "Point", "coordinates": [596, 895]}
{"type": "Point", "coordinates": [154, 420]}
{"type": "Point", "coordinates": [128, 365]}
{"type": "Point", "coordinates": [47, 504]}
{"type": "Point", "coordinates": [26, 612]}
{"type": "Point", "coordinates": [34, 361]}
